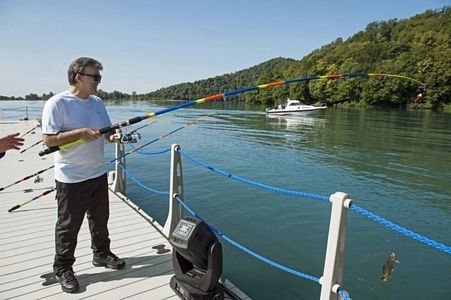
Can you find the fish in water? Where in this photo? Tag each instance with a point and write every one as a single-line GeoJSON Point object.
{"type": "Point", "coordinates": [387, 269]}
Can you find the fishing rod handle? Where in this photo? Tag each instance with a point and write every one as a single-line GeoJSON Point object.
{"type": "Point", "coordinates": [56, 148]}
{"type": "Point", "coordinates": [14, 208]}
{"type": "Point", "coordinates": [63, 146]}
{"type": "Point", "coordinates": [49, 150]}
{"type": "Point", "coordinates": [45, 193]}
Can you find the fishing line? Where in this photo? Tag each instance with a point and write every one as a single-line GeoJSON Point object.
{"type": "Point", "coordinates": [136, 150]}
{"type": "Point", "coordinates": [216, 97]}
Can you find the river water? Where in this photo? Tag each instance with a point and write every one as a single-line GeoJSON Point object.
{"type": "Point", "coordinates": [395, 163]}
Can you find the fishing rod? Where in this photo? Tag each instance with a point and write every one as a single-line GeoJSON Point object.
{"type": "Point", "coordinates": [32, 199]}
{"type": "Point", "coordinates": [37, 143]}
{"type": "Point", "coordinates": [25, 178]}
{"type": "Point", "coordinates": [50, 190]}
{"type": "Point", "coordinates": [221, 96]}
{"type": "Point", "coordinates": [25, 190]}
{"type": "Point", "coordinates": [134, 150]}
{"type": "Point", "coordinates": [29, 131]}
{"type": "Point", "coordinates": [423, 85]}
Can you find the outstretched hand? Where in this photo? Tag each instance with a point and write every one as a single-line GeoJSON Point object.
{"type": "Point", "coordinates": [12, 141]}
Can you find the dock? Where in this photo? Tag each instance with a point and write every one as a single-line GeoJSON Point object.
{"type": "Point", "coordinates": [27, 238]}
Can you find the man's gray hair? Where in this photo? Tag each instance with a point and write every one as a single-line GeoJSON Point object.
{"type": "Point", "coordinates": [79, 65]}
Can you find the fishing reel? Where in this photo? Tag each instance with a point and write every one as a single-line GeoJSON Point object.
{"type": "Point", "coordinates": [130, 138]}
{"type": "Point", "coordinates": [38, 179]}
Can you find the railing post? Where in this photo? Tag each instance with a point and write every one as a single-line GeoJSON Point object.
{"type": "Point", "coordinates": [332, 277]}
{"type": "Point", "coordinates": [119, 182]}
{"type": "Point", "coordinates": [175, 189]}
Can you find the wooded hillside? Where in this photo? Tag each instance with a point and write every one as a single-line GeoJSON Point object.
{"type": "Point", "coordinates": [418, 47]}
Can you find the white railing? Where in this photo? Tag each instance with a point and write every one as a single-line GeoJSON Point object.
{"type": "Point", "coordinates": [332, 278]}
{"type": "Point", "coordinates": [175, 189]}
{"type": "Point", "coordinates": [334, 261]}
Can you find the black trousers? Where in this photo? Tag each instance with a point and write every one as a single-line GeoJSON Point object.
{"type": "Point", "coordinates": [88, 197]}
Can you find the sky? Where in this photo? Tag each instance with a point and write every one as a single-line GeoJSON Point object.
{"type": "Point", "coordinates": [146, 45]}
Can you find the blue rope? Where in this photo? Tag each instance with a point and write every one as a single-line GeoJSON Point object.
{"type": "Point", "coordinates": [142, 185]}
{"type": "Point", "coordinates": [248, 251]}
{"type": "Point", "coordinates": [353, 207]}
{"type": "Point", "coordinates": [239, 246]}
{"type": "Point", "coordinates": [236, 244]}
{"type": "Point", "coordinates": [151, 153]}
{"type": "Point", "coordinates": [143, 153]}
{"type": "Point", "coordinates": [344, 294]}
{"type": "Point", "coordinates": [257, 184]}
{"type": "Point", "coordinates": [401, 229]}
{"type": "Point", "coordinates": [224, 236]}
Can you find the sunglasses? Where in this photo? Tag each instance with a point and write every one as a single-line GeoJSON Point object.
{"type": "Point", "coordinates": [96, 77]}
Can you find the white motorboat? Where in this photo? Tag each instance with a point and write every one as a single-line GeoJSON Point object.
{"type": "Point", "coordinates": [294, 106]}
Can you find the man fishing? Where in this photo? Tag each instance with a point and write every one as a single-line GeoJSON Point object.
{"type": "Point", "coordinates": [80, 171]}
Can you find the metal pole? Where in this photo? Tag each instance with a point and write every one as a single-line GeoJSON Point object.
{"type": "Point", "coordinates": [175, 189]}
{"type": "Point", "coordinates": [332, 277]}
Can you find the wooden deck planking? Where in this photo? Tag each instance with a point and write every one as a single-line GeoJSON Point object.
{"type": "Point", "coordinates": [27, 238]}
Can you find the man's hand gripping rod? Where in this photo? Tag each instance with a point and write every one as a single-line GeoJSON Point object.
{"type": "Point", "coordinates": [98, 132]}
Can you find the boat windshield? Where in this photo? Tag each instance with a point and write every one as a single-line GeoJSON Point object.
{"type": "Point", "coordinates": [294, 103]}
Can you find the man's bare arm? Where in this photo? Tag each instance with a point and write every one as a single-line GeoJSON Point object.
{"type": "Point", "coordinates": [86, 134]}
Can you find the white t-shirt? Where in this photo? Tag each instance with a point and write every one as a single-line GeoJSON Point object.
{"type": "Point", "coordinates": [64, 112]}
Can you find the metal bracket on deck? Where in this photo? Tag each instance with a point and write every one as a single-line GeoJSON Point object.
{"type": "Point", "coordinates": [119, 182]}
{"type": "Point", "coordinates": [334, 262]}
{"type": "Point", "coordinates": [175, 189]}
